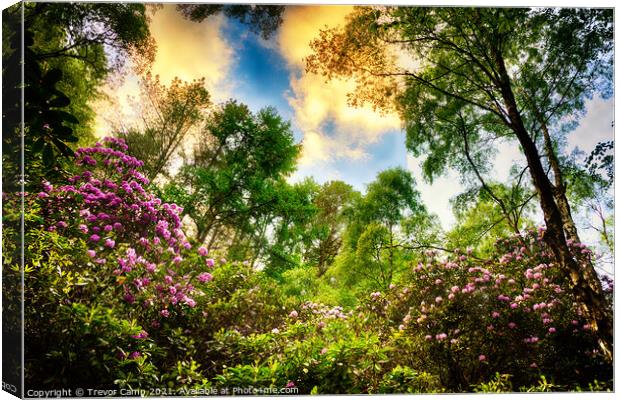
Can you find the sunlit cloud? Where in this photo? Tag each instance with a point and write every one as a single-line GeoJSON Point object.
{"type": "Point", "coordinates": [187, 50]}
{"type": "Point", "coordinates": [192, 50]}
{"type": "Point", "coordinates": [332, 128]}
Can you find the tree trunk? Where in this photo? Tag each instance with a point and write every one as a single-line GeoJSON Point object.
{"type": "Point", "coordinates": [586, 286]}
{"type": "Point", "coordinates": [560, 187]}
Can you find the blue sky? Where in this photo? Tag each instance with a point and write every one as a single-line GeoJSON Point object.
{"type": "Point", "coordinates": [339, 141]}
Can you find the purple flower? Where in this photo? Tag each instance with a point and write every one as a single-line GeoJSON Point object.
{"type": "Point", "coordinates": [205, 277]}
{"type": "Point", "coordinates": [134, 355]}
{"type": "Point", "coordinates": [482, 357]}
{"type": "Point", "coordinates": [109, 243]}
{"type": "Point", "coordinates": [164, 313]}
{"type": "Point", "coordinates": [203, 251]}
{"type": "Point", "coordinates": [293, 314]}
{"type": "Point", "coordinates": [141, 335]}
{"type": "Point", "coordinates": [210, 262]}
{"type": "Point", "coordinates": [91, 253]}
{"type": "Point", "coordinates": [94, 238]}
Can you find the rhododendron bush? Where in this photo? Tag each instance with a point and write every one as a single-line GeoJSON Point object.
{"type": "Point", "coordinates": [513, 314]}
{"type": "Point", "coordinates": [131, 235]}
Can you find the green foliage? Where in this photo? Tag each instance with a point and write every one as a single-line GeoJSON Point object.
{"type": "Point", "coordinates": [261, 18]}
{"type": "Point", "coordinates": [383, 227]}
{"type": "Point", "coordinates": [500, 383]}
{"type": "Point", "coordinates": [406, 380]}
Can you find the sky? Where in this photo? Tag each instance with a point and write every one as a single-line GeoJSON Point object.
{"type": "Point", "coordinates": [339, 141]}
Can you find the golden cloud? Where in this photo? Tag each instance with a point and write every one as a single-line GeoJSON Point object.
{"type": "Point", "coordinates": [187, 50]}
{"type": "Point", "coordinates": [316, 102]}
{"type": "Point", "coordinates": [192, 50]}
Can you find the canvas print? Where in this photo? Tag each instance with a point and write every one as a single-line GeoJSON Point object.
{"type": "Point", "coordinates": [260, 199]}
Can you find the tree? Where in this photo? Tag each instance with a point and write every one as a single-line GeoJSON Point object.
{"type": "Point", "coordinates": [168, 114]}
{"type": "Point", "coordinates": [375, 234]}
{"type": "Point", "coordinates": [502, 73]}
{"type": "Point", "coordinates": [331, 201]}
{"type": "Point", "coordinates": [65, 59]}
{"type": "Point", "coordinates": [589, 185]}
{"type": "Point", "coordinates": [292, 220]}
{"type": "Point", "coordinates": [232, 177]}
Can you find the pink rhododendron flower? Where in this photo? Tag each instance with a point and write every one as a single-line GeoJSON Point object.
{"type": "Point", "coordinates": [205, 277]}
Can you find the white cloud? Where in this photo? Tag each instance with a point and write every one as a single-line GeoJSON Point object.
{"type": "Point", "coordinates": [436, 196]}
{"type": "Point", "coordinates": [595, 126]}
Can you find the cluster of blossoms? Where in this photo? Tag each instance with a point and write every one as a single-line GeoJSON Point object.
{"type": "Point", "coordinates": [317, 313]}
{"type": "Point", "coordinates": [323, 311]}
{"type": "Point", "coordinates": [129, 232]}
{"type": "Point", "coordinates": [474, 306]}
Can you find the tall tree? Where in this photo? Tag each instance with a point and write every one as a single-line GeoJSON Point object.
{"type": "Point", "coordinates": [167, 116]}
{"type": "Point", "coordinates": [375, 234]}
{"type": "Point", "coordinates": [332, 200]}
{"type": "Point", "coordinates": [507, 73]}
{"type": "Point", "coordinates": [238, 159]}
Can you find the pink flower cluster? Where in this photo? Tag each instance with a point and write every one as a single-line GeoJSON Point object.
{"type": "Point", "coordinates": [519, 297]}
{"type": "Point", "coordinates": [129, 230]}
